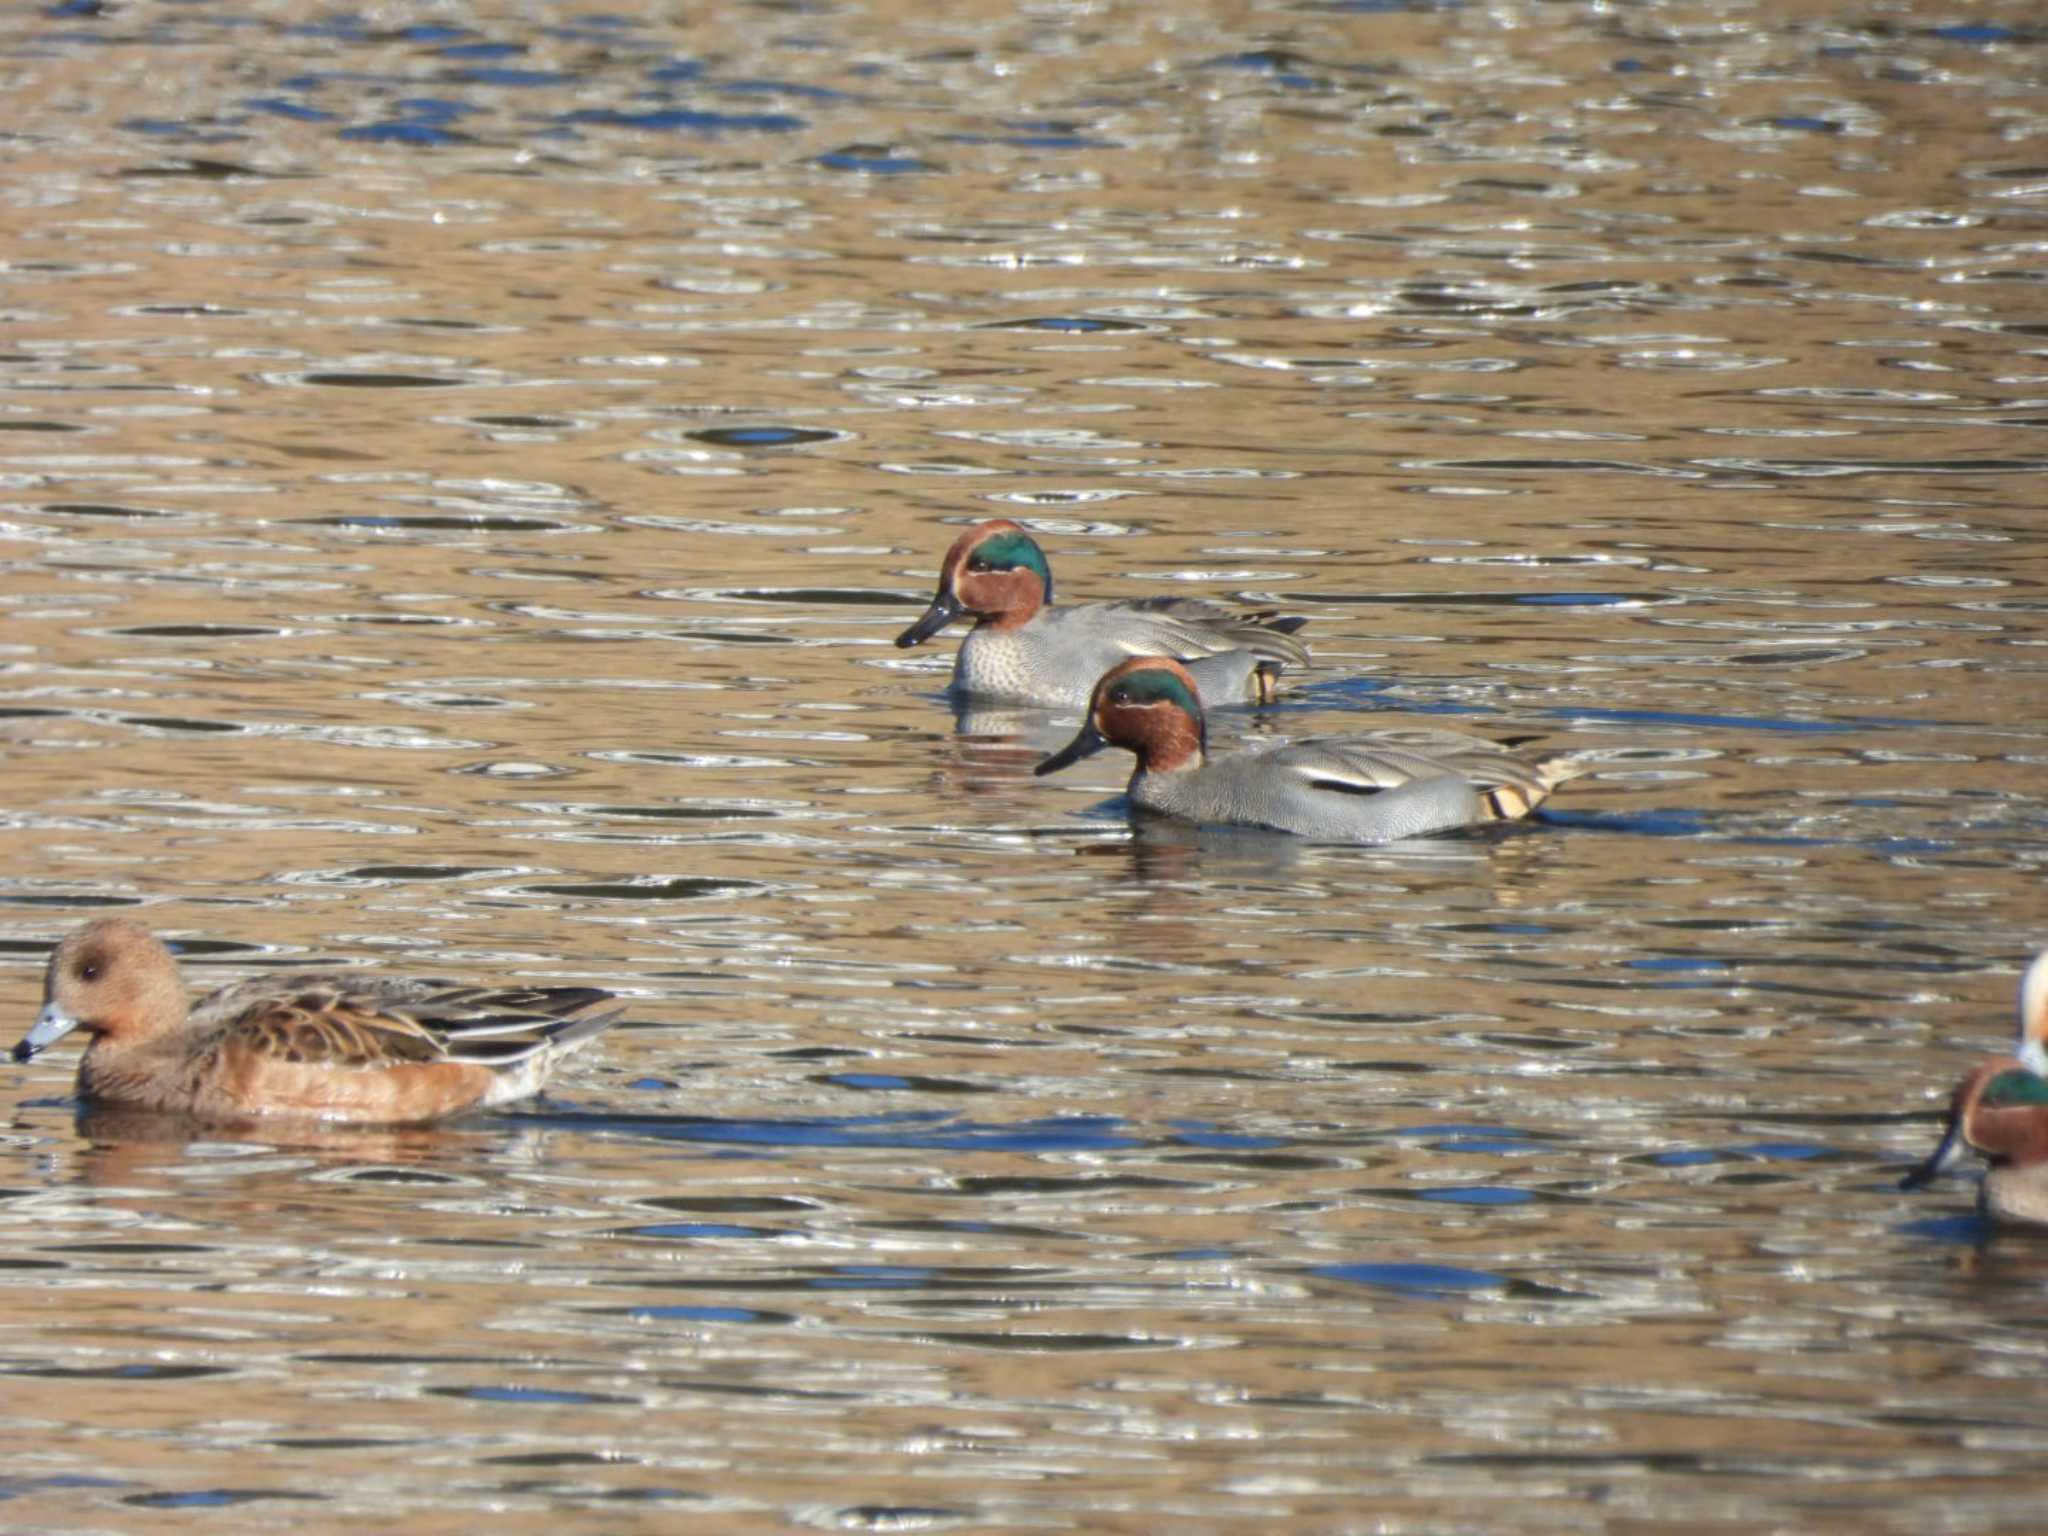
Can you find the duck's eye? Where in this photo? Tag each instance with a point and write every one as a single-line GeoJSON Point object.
{"type": "Point", "coordinates": [90, 971]}
{"type": "Point", "coordinates": [978, 563]}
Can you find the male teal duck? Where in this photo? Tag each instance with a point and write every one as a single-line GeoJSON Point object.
{"type": "Point", "coordinates": [1368, 789]}
{"type": "Point", "coordinates": [353, 1046]}
{"type": "Point", "coordinates": [1025, 649]}
{"type": "Point", "coordinates": [2000, 1111]}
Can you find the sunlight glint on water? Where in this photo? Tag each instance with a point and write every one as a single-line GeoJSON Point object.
{"type": "Point", "coordinates": [459, 484]}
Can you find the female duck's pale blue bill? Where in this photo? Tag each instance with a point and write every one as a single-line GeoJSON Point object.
{"type": "Point", "coordinates": [51, 1025]}
{"type": "Point", "coordinates": [1089, 742]}
{"type": "Point", "coordinates": [944, 610]}
{"type": "Point", "coordinates": [1940, 1160]}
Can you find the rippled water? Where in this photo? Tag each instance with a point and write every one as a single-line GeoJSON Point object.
{"type": "Point", "coordinates": [461, 471]}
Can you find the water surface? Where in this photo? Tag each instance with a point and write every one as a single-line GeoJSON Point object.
{"type": "Point", "coordinates": [460, 480]}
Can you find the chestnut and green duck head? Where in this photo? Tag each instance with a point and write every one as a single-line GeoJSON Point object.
{"type": "Point", "coordinates": [995, 572]}
{"type": "Point", "coordinates": [1149, 706]}
{"type": "Point", "coordinates": [2000, 1112]}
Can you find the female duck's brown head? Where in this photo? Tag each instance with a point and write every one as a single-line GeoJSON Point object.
{"type": "Point", "coordinates": [112, 978]}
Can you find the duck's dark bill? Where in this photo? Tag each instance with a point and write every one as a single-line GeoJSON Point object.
{"type": "Point", "coordinates": [942, 612]}
{"type": "Point", "coordinates": [1086, 744]}
{"type": "Point", "coordinates": [1937, 1163]}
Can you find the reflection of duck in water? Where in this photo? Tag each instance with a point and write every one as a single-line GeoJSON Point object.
{"type": "Point", "coordinates": [353, 1046]}
{"type": "Point", "coordinates": [2000, 1112]}
{"type": "Point", "coordinates": [1025, 648]}
{"type": "Point", "coordinates": [1366, 789]}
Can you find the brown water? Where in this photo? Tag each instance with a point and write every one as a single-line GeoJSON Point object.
{"type": "Point", "coordinates": [458, 491]}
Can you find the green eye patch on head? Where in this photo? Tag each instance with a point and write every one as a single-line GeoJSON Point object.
{"type": "Point", "coordinates": [1156, 685]}
{"type": "Point", "coordinates": [1011, 551]}
{"type": "Point", "coordinates": [2015, 1089]}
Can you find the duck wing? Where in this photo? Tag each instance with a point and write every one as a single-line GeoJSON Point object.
{"type": "Point", "coordinates": [1510, 782]}
{"type": "Point", "coordinates": [377, 1021]}
{"type": "Point", "coordinates": [1185, 627]}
